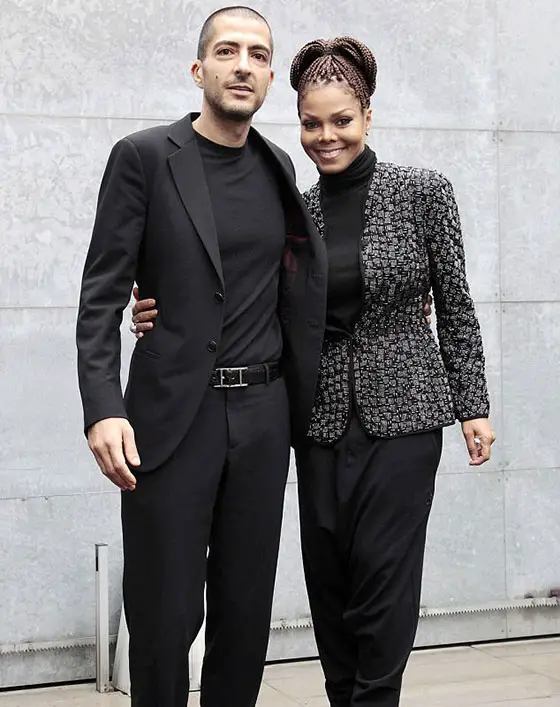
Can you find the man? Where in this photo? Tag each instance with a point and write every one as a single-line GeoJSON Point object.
{"type": "Point", "coordinates": [205, 215]}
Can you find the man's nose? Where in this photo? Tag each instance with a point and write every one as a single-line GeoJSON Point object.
{"type": "Point", "coordinates": [243, 66]}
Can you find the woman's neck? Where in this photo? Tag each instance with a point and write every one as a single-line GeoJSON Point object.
{"type": "Point", "coordinates": [356, 174]}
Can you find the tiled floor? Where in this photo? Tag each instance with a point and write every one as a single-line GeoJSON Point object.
{"type": "Point", "coordinates": [521, 674]}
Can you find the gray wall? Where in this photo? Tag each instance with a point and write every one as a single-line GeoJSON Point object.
{"type": "Point", "coordinates": [470, 88]}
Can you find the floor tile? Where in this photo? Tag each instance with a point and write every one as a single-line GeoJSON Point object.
{"type": "Point", "coordinates": [68, 696]}
{"type": "Point", "coordinates": [281, 671]}
{"type": "Point", "coordinates": [481, 692]}
{"type": "Point", "coordinates": [301, 686]}
{"type": "Point", "coordinates": [269, 697]}
{"type": "Point", "coordinates": [511, 648]}
{"type": "Point", "coordinates": [298, 681]}
{"type": "Point", "coordinates": [468, 670]}
{"type": "Point", "coordinates": [539, 702]}
{"type": "Point", "coordinates": [437, 656]}
{"type": "Point", "coordinates": [544, 664]}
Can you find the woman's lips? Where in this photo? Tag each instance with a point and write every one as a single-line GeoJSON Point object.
{"type": "Point", "coordinates": [328, 155]}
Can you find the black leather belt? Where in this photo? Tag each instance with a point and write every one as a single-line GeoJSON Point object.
{"type": "Point", "coordinates": [244, 376]}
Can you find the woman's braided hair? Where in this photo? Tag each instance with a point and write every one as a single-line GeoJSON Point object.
{"type": "Point", "coordinates": [339, 59]}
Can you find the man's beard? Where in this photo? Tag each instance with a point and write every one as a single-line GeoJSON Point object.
{"type": "Point", "coordinates": [236, 114]}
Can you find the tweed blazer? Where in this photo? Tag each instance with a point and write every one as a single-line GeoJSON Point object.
{"type": "Point", "coordinates": [401, 379]}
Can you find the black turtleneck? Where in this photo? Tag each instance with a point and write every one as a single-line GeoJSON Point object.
{"type": "Point", "coordinates": [343, 199]}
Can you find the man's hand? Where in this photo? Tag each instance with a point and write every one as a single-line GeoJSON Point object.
{"type": "Point", "coordinates": [428, 307]}
{"type": "Point", "coordinates": [479, 437]}
{"type": "Point", "coordinates": [143, 313]}
{"type": "Point", "coordinates": [111, 440]}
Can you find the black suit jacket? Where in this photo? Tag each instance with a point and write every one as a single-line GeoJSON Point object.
{"type": "Point", "coordinates": [154, 224]}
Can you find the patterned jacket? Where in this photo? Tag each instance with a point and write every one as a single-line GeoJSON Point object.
{"type": "Point", "coordinates": [402, 381]}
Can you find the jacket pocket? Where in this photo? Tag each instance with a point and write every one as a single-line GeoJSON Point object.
{"type": "Point", "coordinates": [146, 352]}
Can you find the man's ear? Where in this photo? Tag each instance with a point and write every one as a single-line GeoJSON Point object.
{"type": "Point", "coordinates": [196, 72]}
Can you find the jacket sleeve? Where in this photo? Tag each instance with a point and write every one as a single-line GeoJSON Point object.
{"type": "Point", "coordinates": [108, 278]}
{"type": "Point", "coordinates": [292, 167]}
{"type": "Point", "coordinates": [288, 162]}
{"type": "Point", "coordinates": [457, 324]}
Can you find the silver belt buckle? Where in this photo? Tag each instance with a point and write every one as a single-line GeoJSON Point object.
{"type": "Point", "coordinates": [223, 372]}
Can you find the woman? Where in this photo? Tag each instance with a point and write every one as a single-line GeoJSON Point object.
{"type": "Point", "coordinates": [386, 389]}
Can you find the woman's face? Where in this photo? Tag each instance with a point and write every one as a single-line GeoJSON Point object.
{"type": "Point", "coordinates": [333, 126]}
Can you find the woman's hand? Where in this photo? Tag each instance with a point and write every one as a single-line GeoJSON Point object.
{"type": "Point", "coordinates": [143, 313]}
{"type": "Point", "coordinates": [479, 437]}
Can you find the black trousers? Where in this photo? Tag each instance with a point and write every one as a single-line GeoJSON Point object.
{"type": "Point", "coordinates": [222, 491]}
{"type": "Point", "coordinates": [364, 507]}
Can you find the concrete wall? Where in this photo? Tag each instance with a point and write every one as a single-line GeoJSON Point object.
{"type": "Point", "coordinates": [470, 88]}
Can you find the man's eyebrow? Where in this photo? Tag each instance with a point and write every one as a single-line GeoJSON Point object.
{"type": "Point", "coordinates": [230, 43]}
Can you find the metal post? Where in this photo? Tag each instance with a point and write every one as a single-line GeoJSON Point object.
{"type": "Point", "coordinates": [102, 618]}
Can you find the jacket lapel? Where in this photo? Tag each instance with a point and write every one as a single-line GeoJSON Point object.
{"type": "Point", "coordinates": [313, 202]}
{"type": "Point", "coordinates": [317, 247]}
{"type": "Point", "coordinates": [188, 174]}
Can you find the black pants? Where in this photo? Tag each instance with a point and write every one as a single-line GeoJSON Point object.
{"type": "Point", "coordinates": [364, 507]}
{"type": "Point", "coordinates": [221, 491]}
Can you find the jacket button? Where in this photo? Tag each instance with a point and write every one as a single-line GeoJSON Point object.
{"type": "Point", "coordinates": [212, 346]}
{"type": "Point", "coordinates": [219, 296]}
{"type": "Point", "coordinates": [313, 323]}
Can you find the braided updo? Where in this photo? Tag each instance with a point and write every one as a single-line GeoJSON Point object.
{"type": "Point", "coordinates": [339, 59]}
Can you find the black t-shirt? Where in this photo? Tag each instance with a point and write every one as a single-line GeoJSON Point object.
{"type": "Point", "coordinates": [250, 223]}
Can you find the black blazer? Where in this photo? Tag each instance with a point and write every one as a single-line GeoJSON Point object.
{"type": "Point", "coordinates": [154, 224]}
{"type": "Point", "coordinates": [401, 379]}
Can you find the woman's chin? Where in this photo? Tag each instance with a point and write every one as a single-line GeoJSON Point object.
{"type": "Point", "coordinates": [333, 168]}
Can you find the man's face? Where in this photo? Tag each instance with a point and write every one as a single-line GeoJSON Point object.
{"type": "Point", "coordinates": [235, 73]}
